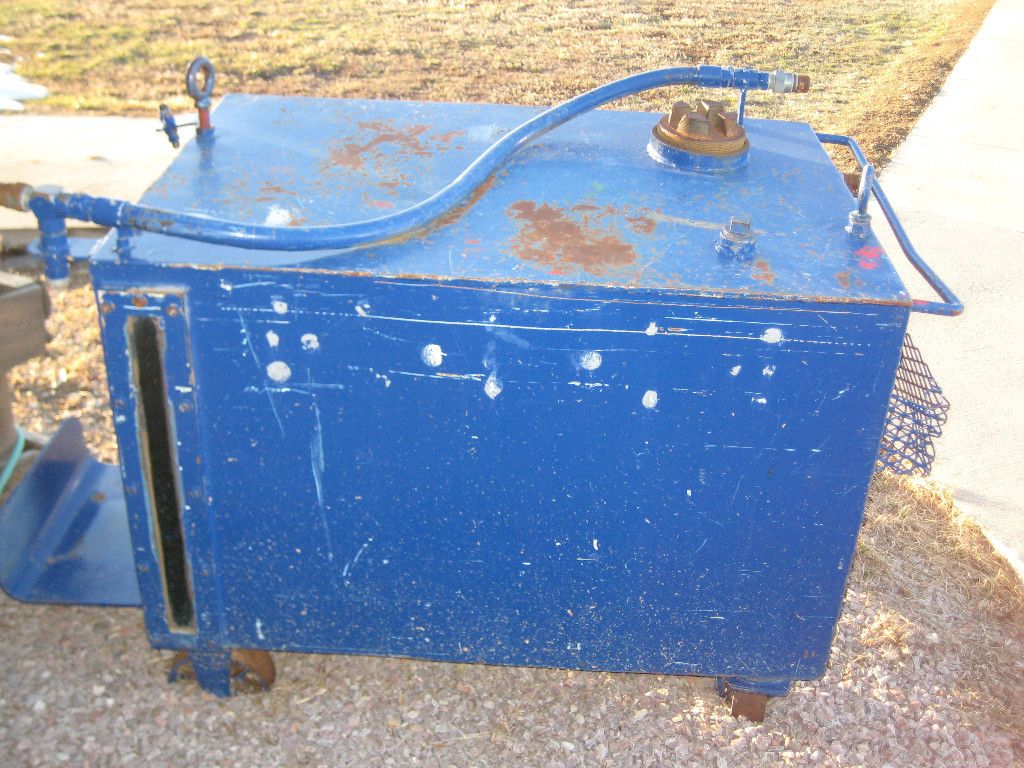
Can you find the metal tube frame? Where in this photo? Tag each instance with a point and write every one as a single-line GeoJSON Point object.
{"type": "Point", "coordinates": [950, 305]}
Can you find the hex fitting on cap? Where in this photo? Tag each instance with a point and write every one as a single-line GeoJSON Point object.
{"type": "Point", "coordinates": [704, 129]}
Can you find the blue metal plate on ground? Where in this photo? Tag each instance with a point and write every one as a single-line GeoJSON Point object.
{"type": "Point", "coordinates": [586, 204]}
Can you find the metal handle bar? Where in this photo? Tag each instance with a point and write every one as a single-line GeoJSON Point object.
{"type": "Point", "coordinates": [950, 304]}
{"type": "Point", "coordinates": [51, 210]}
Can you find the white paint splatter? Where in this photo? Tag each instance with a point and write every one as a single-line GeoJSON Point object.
{"type": "Point", "coordinates": [591, 361]}
{"type": "Point", "coordinates": [760, 400]}
{"type": "Point", "coordinates": [183, 390]}
{"type": "Point", "coordinates": [259, 630]}
{"type": "Point", "coordinates": [769, 371]}
{"type": "Point", "coordinates": [595, 545]}
{"type": "Point", "coordinates": [362, 309]}
{"type": "Point", "coordinates": [652, 329]}
{"type": "Point", "coordinates": [225, 286]}
{"type": "Point", "coordinates": [491, 319]}
{"type": "Point", "coordinates": [279, 371]}
{"type": "Point", "coordinates": [120, 418]}
{"type": "Point", "coordinates": [279, 306]}
{"type": "Point", "coordinates": [650, 398]}
{"type": "Point", "coordinates": [772, 336]}
{"type": "Point", "coordinates": [310, 341]}
{"type": "Point", "coordinates": [432, 355]}
{"type": "Point", "coordinates": [273, 339]}
{"type": "Point", "coordinates": [736, 370]}
{"type": "Point", "coordinates": [278, 217]}
{"type": "Point", "coordinates": [492, 387]}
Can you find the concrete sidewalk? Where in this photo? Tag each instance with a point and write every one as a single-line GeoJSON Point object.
{"type": "Point", "coordinates": [109, 156]}
{"type": "Point", "coordinates": [956, 184]}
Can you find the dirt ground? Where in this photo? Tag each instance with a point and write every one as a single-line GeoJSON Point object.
{"type": "Point", "coordinates": [873, 65]}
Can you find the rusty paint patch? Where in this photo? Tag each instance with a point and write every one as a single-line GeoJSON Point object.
{"type": "Point", "coordinates": [370, 202]}
{"type": "Point", "coordinates": [843, 278]}
{"type": "Point", "coordinates": [642, 225]}
{"type": "Point", "coordinates": [405, 140]}
{"type": "Point", "coordinates": [445, 138]}
{"type": "Point", "coordinates": [763, 272]}
{"type": "Point", "coordinates": [562, 240]}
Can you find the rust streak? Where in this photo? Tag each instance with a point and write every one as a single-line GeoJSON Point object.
{"type": "Point", "coordinates": [445, 138]}
{"type": "Point", "coordinates": [276, 190]}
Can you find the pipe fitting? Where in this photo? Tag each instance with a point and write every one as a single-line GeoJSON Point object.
{"type": "Point", "coordinates": [788, 82]}
{"type": "Point", "coordinates": [15, 196]}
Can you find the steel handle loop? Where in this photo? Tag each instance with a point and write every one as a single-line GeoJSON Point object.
{"type": "Point", "coordinates": [201, 95]}
{"type": "Point", "coordinates": [950, 305]}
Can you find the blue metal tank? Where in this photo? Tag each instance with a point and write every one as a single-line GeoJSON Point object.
{"type": "Point", "coordinates": [610, 413]}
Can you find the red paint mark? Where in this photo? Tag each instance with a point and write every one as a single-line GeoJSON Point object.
{"type": "Point", "coordinates": [472, 241]}
{"type": "Point", "coordinates": [869, 256]}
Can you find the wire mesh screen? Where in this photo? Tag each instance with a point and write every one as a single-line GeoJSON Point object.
{"type": "Point", "coordinates": [917, 412]}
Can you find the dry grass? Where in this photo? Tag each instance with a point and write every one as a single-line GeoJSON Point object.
{"type": "Point", "coordinates": [873, 65]}
{"type": "Point", "coordinates": [934, 573]}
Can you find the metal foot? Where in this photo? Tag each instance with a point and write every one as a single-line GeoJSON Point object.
{"type": "Point", "coordinates": [224, 672]}
{"type": "Point", "coordinates": [749, 698]}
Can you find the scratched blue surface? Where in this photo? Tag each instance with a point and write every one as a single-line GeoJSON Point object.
{"type": "Point", "coordinates": [510, 505]}
{"type": "Point", "coordinates": [586, 205]}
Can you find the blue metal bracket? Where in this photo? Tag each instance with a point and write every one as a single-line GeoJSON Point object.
{"type": "Point", "coordinates": [950, 304]}
{"type": "Point", "coordinates": [64, 530]}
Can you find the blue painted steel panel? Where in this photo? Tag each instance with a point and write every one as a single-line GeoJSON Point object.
{"type": "Point", "coordinates": [559, 430]}
{"type": "Point", "coordinates": [587, 202]}
{"type": "Point", "coordinates": [372, 503]}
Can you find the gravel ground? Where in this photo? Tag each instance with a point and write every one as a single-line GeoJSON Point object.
{"type": "Point", "coordinates": [926, 669]}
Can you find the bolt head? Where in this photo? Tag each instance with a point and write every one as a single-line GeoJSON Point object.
{"type": "Point", "coordinates": [739, 226]}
